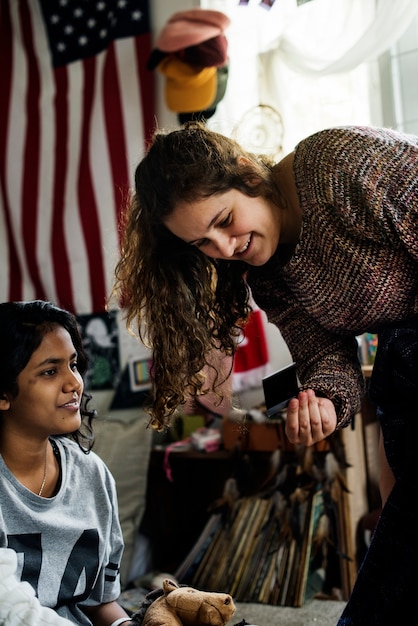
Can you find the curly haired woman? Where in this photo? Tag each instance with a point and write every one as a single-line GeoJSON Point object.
{"type": "Point", "coordinates": [327, 242]}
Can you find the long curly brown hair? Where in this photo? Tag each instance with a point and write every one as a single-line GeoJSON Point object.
{"type": "Point", "coordinates": [181, 303]}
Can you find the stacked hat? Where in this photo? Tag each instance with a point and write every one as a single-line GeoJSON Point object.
{"type": "Point", "coordinates": [191, 52]}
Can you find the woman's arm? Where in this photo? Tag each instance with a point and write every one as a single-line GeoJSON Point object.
{"type": "Point", "coordinates": [107, 614]}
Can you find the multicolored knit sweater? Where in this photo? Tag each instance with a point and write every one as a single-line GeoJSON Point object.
{"type": "Point", "coordinates": [355, 268]}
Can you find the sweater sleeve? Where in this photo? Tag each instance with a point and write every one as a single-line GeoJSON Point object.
{"type": "Point", "coordinates": [332, 368]}
{"type": "Point", "coordinates": [326, 362]}
{"type": "Point", "coordinates": [18, 603]}
{"type": "Point", "coordinates": [369, 175]}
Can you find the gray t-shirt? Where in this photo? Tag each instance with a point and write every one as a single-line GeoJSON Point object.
{"type": "Point", "coordinates": [69, 547]}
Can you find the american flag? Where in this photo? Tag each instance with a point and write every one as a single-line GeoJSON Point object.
{"type": "Point", "coordinates": [76, 112]}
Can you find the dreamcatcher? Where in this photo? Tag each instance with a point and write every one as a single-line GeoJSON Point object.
{"type": "Point", "coordinates": [260, 131]}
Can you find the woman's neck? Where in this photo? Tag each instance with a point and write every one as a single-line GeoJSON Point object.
{"type": "Point", "coordinates": [291, 212]}
{"type": "Point", "coordinates": [35, 467]}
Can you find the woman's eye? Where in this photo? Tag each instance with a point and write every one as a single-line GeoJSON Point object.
{"type": "Point", "coordinates": [74, 366]}
{"type": "Point", "coordinates": [49, 372]}
{"type": "Point", "coordinates": [201, 243]}
{"type": "Point", "coordinates": [226, 221]}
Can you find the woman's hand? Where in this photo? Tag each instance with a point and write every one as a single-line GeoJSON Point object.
{"type": "Point", "coordinates": [309, 419]}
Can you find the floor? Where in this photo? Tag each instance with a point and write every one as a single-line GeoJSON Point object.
{"type": "Point", "coordinates": [314, 612]}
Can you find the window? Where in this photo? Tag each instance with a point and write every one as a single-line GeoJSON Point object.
{"type": "Point", "coordinates": [399, 85]}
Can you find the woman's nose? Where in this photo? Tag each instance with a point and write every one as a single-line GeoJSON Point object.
{"type": "Point", "coordinates": [225, 244]}
{"type": "Point", "coordinates": [73, 382]}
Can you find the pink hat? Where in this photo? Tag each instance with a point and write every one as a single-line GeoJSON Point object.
{"type": "Point", "coordinates": [211, 52]}
{"type": "Point", "coordinates": [188, 28]}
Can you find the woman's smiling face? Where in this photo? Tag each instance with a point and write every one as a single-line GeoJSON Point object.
{"type": "Point", "coordinates": [50, 388]}
{"type": "Point", "coordinates": [230, 226]}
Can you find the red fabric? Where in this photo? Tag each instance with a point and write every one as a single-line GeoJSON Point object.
{"type": "Point", "coordinates": [76, 112]}
{"type": "Point", "coordinates": [251, 361]}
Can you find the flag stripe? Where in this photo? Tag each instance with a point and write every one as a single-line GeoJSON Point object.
{"type": "Point", "coordinates": [114, 124]}
{"type": "Point", "coordinates": [62, 277]}
{"type": "Point", "coordinates": [86, 197]}
{"type": "Point", "coordinates": [132, 137]}
{"type": "Point", "coordinates": [31, 162]}
{"type": "Point", "coordinates": [9, 253]}
{"type": "Point", "coordinates": [145, 84]}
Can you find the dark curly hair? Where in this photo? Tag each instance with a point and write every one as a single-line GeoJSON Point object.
{"type": "Point", "coordinates": [22, 328]}
{"type": "Point", "coordinates": [180, 302]}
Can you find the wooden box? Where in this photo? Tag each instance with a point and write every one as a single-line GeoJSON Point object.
{"type": "Point", "coordinates": [255, 436]}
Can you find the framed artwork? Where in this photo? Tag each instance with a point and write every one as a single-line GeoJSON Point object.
{"type": "Point", "coordinates": [100, 336]}
{"type": "Point", "coordinates": [139, 374]}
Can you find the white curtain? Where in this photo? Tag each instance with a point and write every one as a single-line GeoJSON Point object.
{"type": "Point", "coordinates": [329, 36]}
{"type": "Point", "coordinates": [313, 62]}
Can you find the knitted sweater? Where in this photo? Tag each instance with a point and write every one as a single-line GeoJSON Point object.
{"type": "Point", "coordinates": [355, 268]}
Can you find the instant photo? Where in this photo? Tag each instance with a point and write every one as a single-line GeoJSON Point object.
{"type": "Point", "coordinates": [279, 388]}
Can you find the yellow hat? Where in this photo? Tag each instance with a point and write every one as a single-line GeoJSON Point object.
{"type": "Point", "coordinates": [188, 88]}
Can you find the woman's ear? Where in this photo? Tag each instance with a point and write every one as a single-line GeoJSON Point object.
{"type": "Point", "coordinates": [251, 175]}
{"type": "Point", "coordinates": [4, 402]}
{"type": "Point", "coordinates": [243, 160]}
